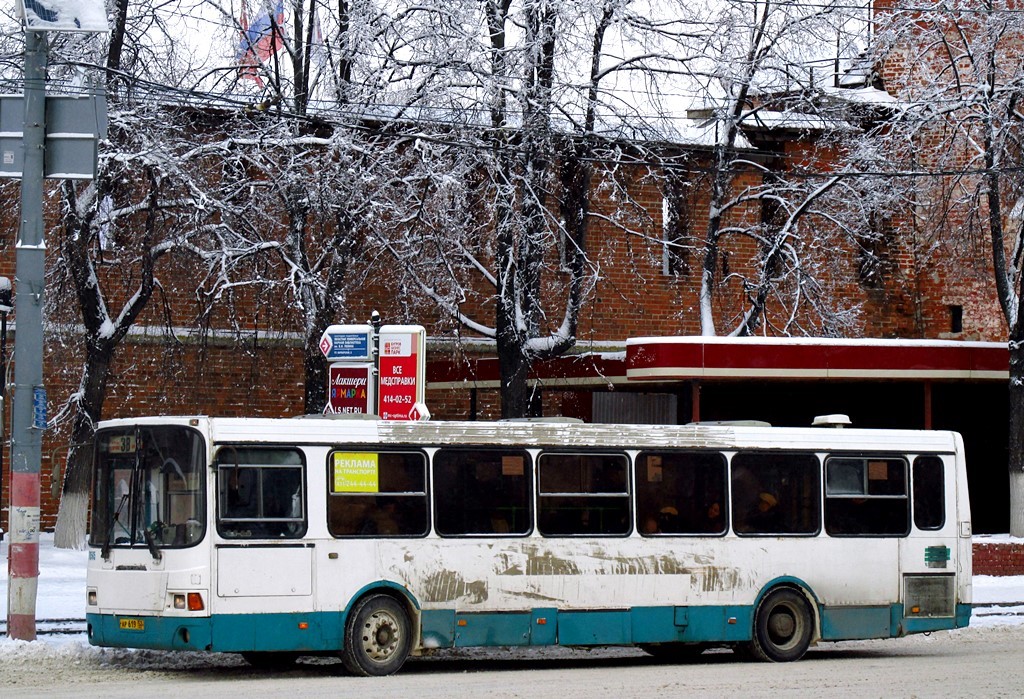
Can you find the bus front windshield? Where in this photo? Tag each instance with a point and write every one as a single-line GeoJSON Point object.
{"type": "Point", "coordinates": [148, 488]}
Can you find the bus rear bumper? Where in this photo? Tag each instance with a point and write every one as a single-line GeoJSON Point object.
{"type": "Point", "coordinates": [961, 619]}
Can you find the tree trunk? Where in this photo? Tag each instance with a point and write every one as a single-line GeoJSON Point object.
{"type": "Point", "coordinates": [74, 501]}
{"type": "Point", "coordinates": [1016, 437]}
{"type": "Point", "coordinates": [100, 346]}
{"type": "Point", "coordinates": [518, 399]}
{"type": "Point", "coordinates": [314, 373]}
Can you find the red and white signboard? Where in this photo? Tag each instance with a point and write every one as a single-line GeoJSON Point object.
{"type": "Point", "coordinates": [402, 365]}
{"type": "Point", "coordinates": [350, 388]}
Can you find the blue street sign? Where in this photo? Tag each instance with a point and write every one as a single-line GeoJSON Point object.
{"type": "Point", "coordinates": [348, 346]}
{"type": "Point", "coordinates": [346, 343]}
{"type": "Point", "coordinates": [39, 408]}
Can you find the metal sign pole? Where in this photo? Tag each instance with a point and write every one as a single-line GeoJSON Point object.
{"type": "Point", "coordinates": [29, 395]}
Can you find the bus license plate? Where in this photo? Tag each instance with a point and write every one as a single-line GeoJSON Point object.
{"type": "Point", "coordinates": [133, 624]}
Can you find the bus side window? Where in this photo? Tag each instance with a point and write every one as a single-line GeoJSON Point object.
{"type": "Point", "coordinates": [377, 494]}
{"type": "Point", "coordinates": [482, 491]}
{"type": "Point", "coordinates": [680, 492]}
{"type": "Point", "coordinates": [260, 493]}
{"type": "Point", "coordinates": [583, 494]}
{"type": "Point", "coordinates": [866, 496]}
{"type": "Point", "coordinates": [929, 493]}
{"type": "Point", "coordinates": [776, 493]}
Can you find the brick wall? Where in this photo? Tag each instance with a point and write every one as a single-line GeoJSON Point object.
{"type": "Point", "coordinates": [999, 559]}
{"type": "Point", "coordinates": [632, 296]}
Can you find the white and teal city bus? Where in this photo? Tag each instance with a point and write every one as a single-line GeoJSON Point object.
{"type": "Point", "coordinates": [372, 540]}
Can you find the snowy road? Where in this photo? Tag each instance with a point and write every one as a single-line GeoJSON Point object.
{"type": "Point", "coordinates": [976, 662]}
{"type": "Point", "coordinates": [981, 661]}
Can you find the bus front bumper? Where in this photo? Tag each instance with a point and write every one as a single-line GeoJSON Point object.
{"type": "Point", "coordinates": [157, 633]}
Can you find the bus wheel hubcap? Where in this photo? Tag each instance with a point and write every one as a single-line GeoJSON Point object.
{"type": "Point", "coordinates": [380, 636]}
{"type": "Point", "coordinates": [781, 627]}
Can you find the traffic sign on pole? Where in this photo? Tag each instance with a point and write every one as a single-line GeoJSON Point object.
{"type": "Point", "coordinates": [350, 388]}
{"type": "Point", "coordinates": [402, 370]}
{"type": "Point", "coordinates": [74, 126]}
{"type": "Point", "coordinates": [347, 343]}
{"type": "Point", "coordinates": [63, 15]}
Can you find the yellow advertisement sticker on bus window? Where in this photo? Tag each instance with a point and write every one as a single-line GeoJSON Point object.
{"type": "Point", "coordinates": [355, 472]}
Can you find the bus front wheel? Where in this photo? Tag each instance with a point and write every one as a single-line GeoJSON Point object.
{"type": "Point", "coordinates": [783, 627]}
{"type": "Point", "coordinates": [377, 637]}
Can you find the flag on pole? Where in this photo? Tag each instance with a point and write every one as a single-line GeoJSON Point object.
{"type": "Point", "coordinates": [259, 40]}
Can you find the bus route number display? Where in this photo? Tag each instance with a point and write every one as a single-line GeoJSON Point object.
{"type": "Point", "coordinates": [121, 444]}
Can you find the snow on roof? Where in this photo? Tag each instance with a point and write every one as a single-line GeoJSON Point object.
{"type": "Point", "coordinates": [864, 95]}
{"type": "Point", "coordinates": [767, 119]}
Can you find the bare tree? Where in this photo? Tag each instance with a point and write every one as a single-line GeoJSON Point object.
{"type": "Point", "coordinates": [754, 66]}
{"type": "Point", "coordinates": [146, 184]}
{"type": "Point", "coordinates": [528, 81]}
{"type": "Point", "coordinates": [333, 86]}
{"type": "Point", "coordinates": [956, 71]}
{"type": "Point", "coordinates": [113, 278]}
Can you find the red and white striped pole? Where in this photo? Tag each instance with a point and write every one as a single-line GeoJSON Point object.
{"type": "Point", "coordinates": [23, 556]}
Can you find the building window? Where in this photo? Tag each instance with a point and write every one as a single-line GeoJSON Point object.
{"type": "Point", "coordinates": [874, 261]}
{"type": "Point", "coordinates": [956, 319]}
{"type": "Point", "coordinates": [675, 226]}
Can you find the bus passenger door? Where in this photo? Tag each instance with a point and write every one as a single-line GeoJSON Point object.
{"type": "Point", "coordinates": [264, 571]}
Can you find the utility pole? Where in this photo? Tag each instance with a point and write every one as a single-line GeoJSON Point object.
{"type": "Point", "coordinates": [29, 394]}
{"type": "Point", "coordinates": [28, 412]}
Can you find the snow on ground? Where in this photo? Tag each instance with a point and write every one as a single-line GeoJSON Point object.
{"type": "Point", "coordinates": [998, 601]}
{"type": "Point", "coordinates": [61, 581]}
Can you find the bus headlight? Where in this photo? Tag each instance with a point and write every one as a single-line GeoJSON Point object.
{"type": "Point", "coordinates": [192, 601]}
{"type": "Point", "coordinates": [90, 597]}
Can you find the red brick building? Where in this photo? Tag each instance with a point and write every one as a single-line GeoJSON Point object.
{"type": "Point", "coordinates": [924, 292]}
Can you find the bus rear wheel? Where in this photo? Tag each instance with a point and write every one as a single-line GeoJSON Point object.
{"type": "Point", "coordinates": [377, 637]}
{"type": "Point", "coordinates": [783, 626]}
